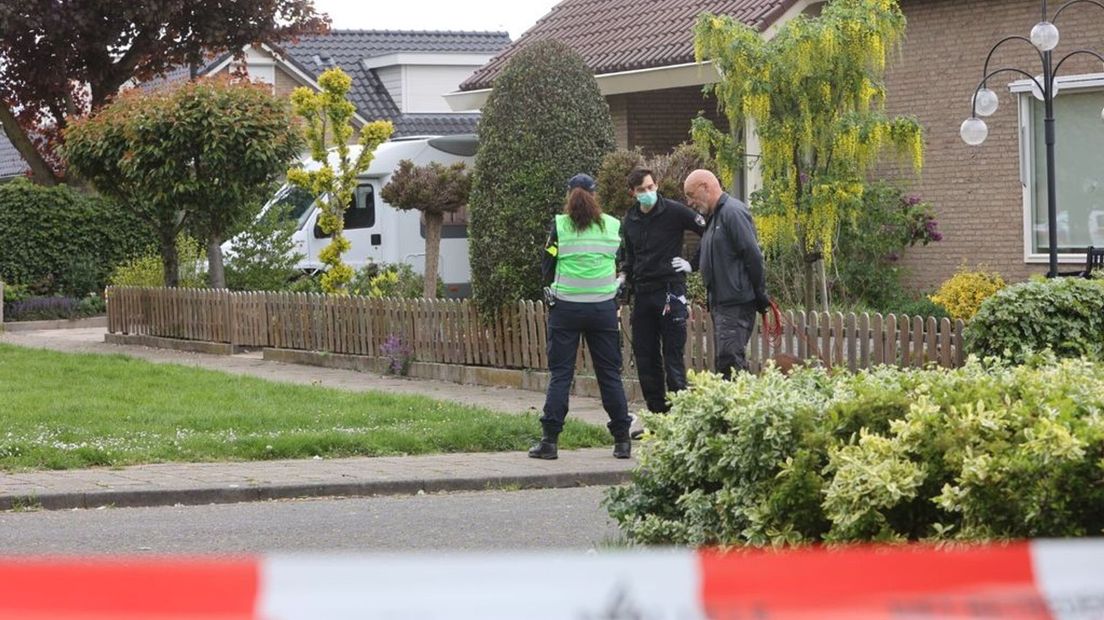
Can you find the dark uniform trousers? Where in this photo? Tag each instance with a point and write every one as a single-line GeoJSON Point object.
{"type": "Point", "coordinates": [659, 341]}
{"type": "Point", "coordinates": [597, 322]}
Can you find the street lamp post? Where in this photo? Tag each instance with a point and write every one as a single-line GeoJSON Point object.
{"type": "Point", "coordinates": [1044, 37]}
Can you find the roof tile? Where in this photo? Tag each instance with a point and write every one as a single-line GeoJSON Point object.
{"type": "Point", "coordinates": [623, 35]}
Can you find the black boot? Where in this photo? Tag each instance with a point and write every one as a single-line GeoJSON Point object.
{"type": "Point", "coordinates": [622, 447]}
{"type": "Point", "coordinates": [545, 449]}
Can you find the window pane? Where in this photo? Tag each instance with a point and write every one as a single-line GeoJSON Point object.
{"type": "Point", "coordinates": [1079, 172]}
{"type": "Point", "coordinates": [362, 212]}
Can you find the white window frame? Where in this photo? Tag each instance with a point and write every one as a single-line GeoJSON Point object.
{"type": "Point", "coordinates": [1022, 89]}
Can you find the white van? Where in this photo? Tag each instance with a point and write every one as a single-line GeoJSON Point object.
{"type": "Point", "coordinates": [378, 232]}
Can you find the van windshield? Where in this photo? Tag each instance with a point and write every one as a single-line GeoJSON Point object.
{"type": "Point", "coordinates": [293, 203]}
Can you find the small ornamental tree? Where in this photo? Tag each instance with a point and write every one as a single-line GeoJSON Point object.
{"type": "Point", "coordinates": [816, 94]}
{"type": "Point", "coordinates": [329, 116]}
{"type": "Point", "coordinates": [62, 60]}
{"type": "Point", "coordinates": [544, 122]}
{"type": "Point", "coordinates": [435, 190]}
{"type": "Point", "coordinates": [201, 155]}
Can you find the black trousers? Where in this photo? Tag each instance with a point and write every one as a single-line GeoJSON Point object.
{"type": "Point", "coordinates": [659, 341]}
{"type": "Point", "coordinates": [597, 322]}
{"type": "Point", "coordinates": [732, 327]}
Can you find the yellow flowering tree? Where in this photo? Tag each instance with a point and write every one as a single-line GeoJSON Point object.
{"type": "Point", "coordinates": [328, 114]}
{"type": "Point", "coordinates": [816, 95]}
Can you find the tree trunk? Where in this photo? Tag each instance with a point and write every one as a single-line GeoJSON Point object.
{"type": "Point", "coordinates": [170, 261]}
{"type": "Point", "coordinates": [40, 170]}
{"type": "Point", "coordinates": [810, 281]}
{"type": "Point", "coordinates": [216, 274]}
{"type": "Point", "coordinates": [824, 283]}
{"type": "Point", "coordinates": [434, 221]}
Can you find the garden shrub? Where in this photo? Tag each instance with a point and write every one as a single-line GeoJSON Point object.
{"type": "Point", "coordinates": [670, 170]}
{"type": "Point", "coordinates": [48, 308]}
{"type": "Point", "coordinates": [866, 271]}
{"type": "Point", "coordinates": [391, 280]}
{"type": "Point", "coordinates": [59, 240]}
{"type": "Point", "coordinates": [264, 256]}
{"type": "Point", "coordinates": [534, 134]}
{"type": "Point", "coordinates": [613, 175]}
{"type": "Point", "coordinates": [1065, 315]}
{"type": "Point", "coordinates": [963, 293]}
{"type": "Point", "coordinates": [987, 451]}
{"type": "Point", "coordinates": [147, 270]}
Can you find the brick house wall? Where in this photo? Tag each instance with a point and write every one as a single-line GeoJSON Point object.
{"type": "Point", "coordinates": [658, 120]}
{"type": "Point", "coordinates": [976, 191]}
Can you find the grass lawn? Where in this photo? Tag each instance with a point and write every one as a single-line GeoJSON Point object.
{"type": "Point", "coordinates": [61, 411]}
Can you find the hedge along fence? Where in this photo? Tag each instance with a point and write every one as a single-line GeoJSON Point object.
{"type": "Point", "coordinates": [451, 331]}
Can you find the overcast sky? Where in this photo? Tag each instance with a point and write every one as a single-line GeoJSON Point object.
{"type": "Point", "coordinates": [513, 16]}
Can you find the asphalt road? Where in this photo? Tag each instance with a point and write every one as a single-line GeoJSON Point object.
{"type": "Point", "coordinates": [492, 520]}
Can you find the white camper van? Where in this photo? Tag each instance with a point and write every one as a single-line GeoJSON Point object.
{"type": "Point", "coordinates": [378, 232]}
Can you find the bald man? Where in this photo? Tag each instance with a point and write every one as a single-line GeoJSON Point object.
{"type": "Point", "coordinates": [731, 267]}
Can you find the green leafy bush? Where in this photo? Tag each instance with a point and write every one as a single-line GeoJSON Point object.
{"type": "Point", "coordinates": [544, 122]}
{"type": "Point", "coordinates": [987, 451]}
{"type": "Point", "coordinates": [386, 280]}
{"type": "Point", "coordinates": [613, 175]}
{"type": "Point", "coordinates": [866, 270]}
{"type": "Point", "coordinates": [147, 270]}
{"type": "Point", "coordinates": [670, 170]}
{"type": "Point", "coordinates": [264, 256]}
{"type": "Point", "coordinates": [58, 240]}
{"type": "Point", "coordinates": [1065, 315]}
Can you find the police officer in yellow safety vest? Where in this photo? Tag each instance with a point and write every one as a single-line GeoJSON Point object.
{"type": "Point", "coordinates": [579, 268]}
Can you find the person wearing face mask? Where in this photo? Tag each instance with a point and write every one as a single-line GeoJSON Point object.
{"type": "Point", "coordinates": [731, 267]}
{"type": "Point", "coordinates": [652, 237]}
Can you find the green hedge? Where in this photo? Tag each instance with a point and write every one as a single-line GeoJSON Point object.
{"type": "Point", "coordinates": [1065, 315]}
{"type": "Point", "coordinates": [544, 122]}
{"type": "Point", "coordinates": [980, 452]}
{"type": "Point", "coordinates": [59, 240]}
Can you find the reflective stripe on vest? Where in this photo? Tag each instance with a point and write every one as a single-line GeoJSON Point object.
{"type": "Point", "coordinates": [586, 268]}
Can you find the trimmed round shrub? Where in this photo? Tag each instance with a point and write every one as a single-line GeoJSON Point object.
{"type": "Point", "coordinates": [59, 240]}
{"type": "Point", "coordinates": [613, 185]}
{"type": "Point", "coordinates": [963, 293]}
{"type": "Point", "coordinates": [544, 122]}
{"type": "Point", "coordinates": [1065, 315]}
{"type": "Point", "coordinates": [988, 451]}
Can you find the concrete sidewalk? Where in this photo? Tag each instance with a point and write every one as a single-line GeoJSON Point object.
{"type": "Point", "coordinates": [203, 483]}
{"type": "Point", "coordinates": [217, 483]}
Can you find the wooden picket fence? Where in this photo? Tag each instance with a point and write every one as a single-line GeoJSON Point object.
{"type": "Point", "coordinates": [452, 332]}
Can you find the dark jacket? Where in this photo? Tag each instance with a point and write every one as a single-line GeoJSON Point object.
{"type": "Point", "coordinates": [731, 262]}
{"type": "Point", "coordinates": [650, 240]}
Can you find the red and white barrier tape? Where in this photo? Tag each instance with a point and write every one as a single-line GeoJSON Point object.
{"type": "Point", "coordinates": [1044, 579]}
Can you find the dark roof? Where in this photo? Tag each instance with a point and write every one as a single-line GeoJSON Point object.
{"type": "Point", "coordinates": [623, 35]}
{"type": "Point", "coordinates": [435, 124]}
{"type": "Point", "coordinates": [11, 162]}
{"type": "Point", "coordinates": [347, 49]}
{"type": "Point", "coordinates": [180, 73]}
{"type": "Point", "coordinates": [313, 54]}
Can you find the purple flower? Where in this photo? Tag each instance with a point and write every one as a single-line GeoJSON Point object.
{"type": "Point", "coordinates": [398, 355]}
{"type": "Point", "coordinates": [936, 236]}
{"type": "Point", "coordinates": [912, 200]}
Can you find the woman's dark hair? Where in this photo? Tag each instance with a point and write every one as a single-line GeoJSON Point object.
{"type": "Point", "coordinates": [583, 209]}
